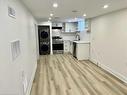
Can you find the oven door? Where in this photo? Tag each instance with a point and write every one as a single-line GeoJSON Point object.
{"type": "Point", "coordinates": [58, 46]}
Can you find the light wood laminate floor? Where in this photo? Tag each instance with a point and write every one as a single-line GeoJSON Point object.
{"type": "Point", "coordinates": [64, 75]}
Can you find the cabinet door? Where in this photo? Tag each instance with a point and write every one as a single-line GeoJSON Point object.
{"type": "Point", "coordinates": [66, 46]}
{"type": "Point", "coordinates": [83, 51]}
{"type": "Point", "coordinates": [71, 48]}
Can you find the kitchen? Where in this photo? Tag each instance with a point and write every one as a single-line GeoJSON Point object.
{"type": "Point", "coordinates": [70, 36]}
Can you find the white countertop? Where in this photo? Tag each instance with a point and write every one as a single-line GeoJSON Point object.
{"type": "Point", "coordinates": [79, 42]}
{"type": "Point", "coordinates": [82, 42]}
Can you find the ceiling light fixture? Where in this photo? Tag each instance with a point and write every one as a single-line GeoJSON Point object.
{"type": "Point", "coordinates": [51, 14]}
{"type": "Point", "coordinates": [84, 15]}
{"type": "Point", "coordinates": [105, 6]}
{"type": "Point", "coordinates": [55, 5]}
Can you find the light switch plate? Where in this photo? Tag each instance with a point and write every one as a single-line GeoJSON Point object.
{"type": "Point", "coordinates": [11, 12]}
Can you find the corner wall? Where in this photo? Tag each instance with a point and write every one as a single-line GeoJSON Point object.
{"type": "Point", "coordinates": [14, 73]}
{"type": "Point", "coordinates": [109, 42]}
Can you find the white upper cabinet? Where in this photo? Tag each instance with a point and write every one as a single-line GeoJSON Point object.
{"type": "Point", "coordinates": [57, 24]}
{"type": "Point", "coordinates": [71, 26]}
{"type": "Point", "coordinates": [74, 26]}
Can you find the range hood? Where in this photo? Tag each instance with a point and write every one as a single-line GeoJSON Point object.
{"type": "Point", "coordinates": [56, 27]}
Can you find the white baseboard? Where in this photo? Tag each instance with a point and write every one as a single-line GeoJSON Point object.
{"type": "Point", "coordinates": [93, 61]}
{"type": "Point", "coordinates": [114, 73]}
{"type": "Point", "coordinates": [31, 81]}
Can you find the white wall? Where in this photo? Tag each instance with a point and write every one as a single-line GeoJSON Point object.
{"type": "Point", "coordinates": [109, 42]}
{"type": "Point", "coordinates": [21, 28]}
{"type": "Point", "coordinates": [85, 36]}
{"type": "Point", "coordinates": [67, 36]}
{"type": "Point", "coordinates": [37, 41]}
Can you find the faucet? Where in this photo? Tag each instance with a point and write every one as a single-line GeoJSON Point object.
{"type": "Point", "coordinates": [77, 37]}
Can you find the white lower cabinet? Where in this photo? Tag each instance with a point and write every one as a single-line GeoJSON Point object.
{"type": "Point", "coordinates": [71, 47]}
{"type": "Point", "coordinates": [66, 46]}
{"type": "Point", "coordinates": [83, 51]}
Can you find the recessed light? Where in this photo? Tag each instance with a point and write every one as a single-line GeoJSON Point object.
{"type": "Point", "coordinates": [50, 18]}
{"type": "Point", "coordinates": [55, 5]}
{"type": "Point", "coordinates": [84, 15]}
{"type": "Point", "coordinates": [51, 14]}
{"type": "Point", "coordinates": [105, 6]}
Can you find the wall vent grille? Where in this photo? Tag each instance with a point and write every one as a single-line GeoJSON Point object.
{"type": "Point", "coordinates": [15, 49]}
